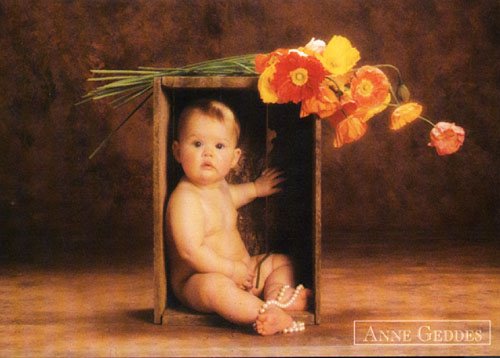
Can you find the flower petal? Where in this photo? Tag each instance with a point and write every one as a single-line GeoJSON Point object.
{"type": "Point", "coordinates": [349, 130]}
{"type": "Point", "coordinates": [324, 104]}
{"type": "Point", "coordinates": [371, 112]}
{"type": "Point", "coordinates": [370, 86]}
{"type": "Point", "coordinates": [266, 91]}
{"type": "Point", "coordinates": [316, 45]}
{"type": "Point", "coordinates": [298, 77]}
{"type": "Point", "coordinates": [339, 56]}
{"type": "Point", "coordinates": [405, 114]}
{"type": "Point", "coordinates": [447, 138]}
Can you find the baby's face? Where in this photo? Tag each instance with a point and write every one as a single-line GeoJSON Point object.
{"type": "Point", "coordinates": [206, 149]}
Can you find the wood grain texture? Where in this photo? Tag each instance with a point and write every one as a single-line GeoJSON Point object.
{"type": "Point", "coordinates": [160, 124]}
{"type": "Point", "coordinates": [210, 82]}
{"type": "Point", "coordinates": [104, 309]}
{"type": "Point", "coordinates": [316, 259]}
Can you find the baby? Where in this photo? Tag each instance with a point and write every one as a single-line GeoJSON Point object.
{"type": "Point", "coordinates": [211, 270]}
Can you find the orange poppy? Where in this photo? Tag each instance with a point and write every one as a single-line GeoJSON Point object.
{"type": "Point", "coordinates": [405, 114]}
{"type": "Point", "coordinates": [369, 87]}
{"type": "Point", "coordinates": [324, 104]}
{"type": "Point", "coordinates": [346, 109]}
{"type": "Point", "coordinates": [349, 130]}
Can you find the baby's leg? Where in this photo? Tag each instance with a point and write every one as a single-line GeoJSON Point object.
{"type": "Point", "coordinates": [213, 292]}
{"type": "Point", "coordinates": [278, 271]}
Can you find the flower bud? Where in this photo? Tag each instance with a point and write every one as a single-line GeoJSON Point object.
{"type": "Point", "coordinates": [316, 45]}
{"type": "Point", "coordinates": [403, 93]}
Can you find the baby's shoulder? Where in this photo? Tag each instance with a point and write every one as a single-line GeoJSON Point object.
{"type": "Point", "coordinates": [184, 193]}
{"type": "Point", "coordinates": [183, 202]}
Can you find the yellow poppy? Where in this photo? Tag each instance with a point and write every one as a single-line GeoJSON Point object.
{"type": "Point", "coordinates": [339, 56]}
{"type": "Point", "coordinates": [267, 93]}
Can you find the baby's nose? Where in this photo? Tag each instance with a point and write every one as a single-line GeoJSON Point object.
{"type": "Point", "coordinates": [207, 152]}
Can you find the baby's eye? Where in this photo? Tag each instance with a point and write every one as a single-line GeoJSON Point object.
{"type": "Point", "coordinates": [197, 144]}
{"type": "Point", "coordinates": [219, 146]}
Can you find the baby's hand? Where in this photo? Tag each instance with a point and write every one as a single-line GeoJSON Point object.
{"type": "Point", "coordinates": [266, 184]}
{"type": "Point", "coordinates": [242, 276]}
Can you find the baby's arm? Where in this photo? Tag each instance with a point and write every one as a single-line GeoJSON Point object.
{"type": "Point", "coordinates": [186, 222]}
{"type": "Point", "coordinates": [265, 185]}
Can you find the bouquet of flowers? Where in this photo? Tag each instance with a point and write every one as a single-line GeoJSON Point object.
{"type": "Point", "coordinates": [321, 77]}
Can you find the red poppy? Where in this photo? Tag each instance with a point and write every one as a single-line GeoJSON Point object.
{"type": "Point", "coordinates": [262, 61]}
{"type": "Point", "coordinates": [297, 77]}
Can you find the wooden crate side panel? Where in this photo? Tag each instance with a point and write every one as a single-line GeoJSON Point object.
{"type": "Point", "coordinates": [160, 124]}
{"type": "Point", "coordinates": [183, 317]}
{"type": "Point", "coordinates": [210, 82]}
{"type": "Point", "coordinates": [317, 220]}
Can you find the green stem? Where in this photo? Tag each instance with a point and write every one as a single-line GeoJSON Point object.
{"type": "Point", "coordinates": [112, 78]}
{"type": "Point", "coordinates": [225, 59]}
{"type": "Point", "coordinates": [110, 135]}
{"type": "Point", "coordinates": [394, 68]}
{"type": "Point", "coordinates": [103, 93]}
{"type": "Point", "coordinates": [393, 94]}
{"type": "Point", "coordinates": [134, 72]}
{"type": "Point", "coordinates": [337, 90]}
{"type": "Point", "coordinates": [427, 120]}
{"type": "Point", "coordinates": [127, 98]}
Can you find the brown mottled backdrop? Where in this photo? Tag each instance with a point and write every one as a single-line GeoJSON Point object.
{"type": "Point", "coordinates": [52, 195]}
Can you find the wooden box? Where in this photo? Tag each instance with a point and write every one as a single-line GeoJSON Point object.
{"type": "Point", "coordinates": [272, 135]}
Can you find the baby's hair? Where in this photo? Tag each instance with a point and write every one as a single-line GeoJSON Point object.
{"type": "Point", "coordinates": [211, 108]}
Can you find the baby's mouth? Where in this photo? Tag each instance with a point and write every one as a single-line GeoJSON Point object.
{"type": "Point", "coordinates": [207, 165]}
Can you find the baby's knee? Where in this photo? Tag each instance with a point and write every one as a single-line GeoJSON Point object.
{"type": "Point", "coordinates": [280, 260]}
{"type": "Point", "coordinates": [213, 284]}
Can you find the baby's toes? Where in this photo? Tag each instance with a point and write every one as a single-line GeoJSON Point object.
{"type": "Point", "coordinates": [263, 320]}
{"type": "Point", "coordinates": [259, 327]}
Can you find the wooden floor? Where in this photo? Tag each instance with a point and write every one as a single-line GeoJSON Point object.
{"type": "Point", "coordinates": [91, 304]}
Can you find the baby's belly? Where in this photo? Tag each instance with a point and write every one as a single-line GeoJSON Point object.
{"type": "Point", "coordinates": [229, 246]}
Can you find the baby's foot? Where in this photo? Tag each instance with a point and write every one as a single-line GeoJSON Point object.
{"type": "Point", "coordinates": [272, 321]}
{"type": "Point", "coordinates": [301, 302]}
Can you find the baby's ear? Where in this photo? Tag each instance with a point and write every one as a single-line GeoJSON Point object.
{"type": "Point", "coordinates": [236, 158]}
{"type": "Point", "coordinates": [175, 150]}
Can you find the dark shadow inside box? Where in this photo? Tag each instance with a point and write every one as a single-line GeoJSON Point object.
{"type": "Point", "coordinates": [271, 136]}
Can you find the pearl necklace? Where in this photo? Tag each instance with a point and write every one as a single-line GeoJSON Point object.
{"type": "Point", "coordinates": [296, 326]}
